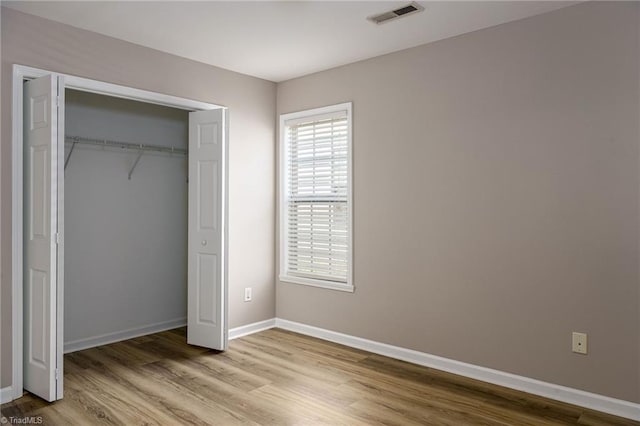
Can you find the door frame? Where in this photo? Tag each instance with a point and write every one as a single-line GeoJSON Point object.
{"type": "Point", "coordinates": [21, 73]}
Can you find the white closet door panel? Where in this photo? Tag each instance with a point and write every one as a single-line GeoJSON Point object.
{"type": "Point", "coordinates": [40, 226]}
{"type": "Point", "coordinates": [206, 264]}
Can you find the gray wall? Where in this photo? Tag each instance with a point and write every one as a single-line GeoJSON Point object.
{"type": "Point", "coordinates": [496, 198]}
{"type": "Point", "coordinates": [41, 43]}
{"type": "Point", "coordinates": [125, 240]}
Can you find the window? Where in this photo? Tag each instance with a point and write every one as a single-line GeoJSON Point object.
{"type": "Point", "coordinates": [315, 197]}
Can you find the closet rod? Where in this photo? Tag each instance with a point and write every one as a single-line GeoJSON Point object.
{"type": "Point", "coordinates": [124, 145]}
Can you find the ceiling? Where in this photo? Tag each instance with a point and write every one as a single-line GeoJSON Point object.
{"type": "Point", "coordinates": [280, 40]}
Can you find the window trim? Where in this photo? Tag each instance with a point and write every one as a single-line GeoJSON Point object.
{"type": "Point", "coordinates": [282, 173]}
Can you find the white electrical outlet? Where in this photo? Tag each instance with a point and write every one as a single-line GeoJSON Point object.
{"type": "Point", "coordinates": [247, 294]}
{"type": "Point", "coordinates": [579, 343]}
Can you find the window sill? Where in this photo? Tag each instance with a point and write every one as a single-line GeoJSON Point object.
{"type": "Point", "coordinates": [330, 285]}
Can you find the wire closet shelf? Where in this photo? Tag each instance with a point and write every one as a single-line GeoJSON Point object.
{"type": "Point", "coordinates": [141, 148]}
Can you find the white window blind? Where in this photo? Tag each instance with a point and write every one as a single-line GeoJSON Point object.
{"type": "Point", "coordinates": [317, 197]}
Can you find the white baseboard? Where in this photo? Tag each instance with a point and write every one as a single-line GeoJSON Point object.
{"type": "Point", "coordinates": [6, 395]}
{"type": "Point", "coordinates": [581, 398]}
{"type": "Point", "coordinates": [105, 339]}
{"type": "Point", "coordinates": [255, 327]}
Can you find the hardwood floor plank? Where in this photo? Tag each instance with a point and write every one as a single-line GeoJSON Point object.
{"type": "Point", "coordinates": [57, 416]}
{"type": "Point", "coordinates": [132, 378]}
{"type": "Point", "coordinates": [211, 388]}
{"type": "Point", "coordinates": [277, 377]}
{"type": "Point", "coordinates": [376, 413]}
{"type": "Point", "coordinates": [249, 361]}
{"type": "Point", "coordinates": [443, 404]}
{"type": "Point", "coordinates": [316, 411]}
{"type": "Point", "coordinates": [494, 395]}
{"type": "Point", "coordinates": [237, 377]}
{"type": "Point", "coordinates": [123, 399]}
{"type": "Point", "coordinates": [297, 343]}
{"type": "Point", "coordinates": [102, 399]}
{"type": "Point", "coordinates": [278, 360]}
{"type": "Point", "coordinates": [132, 354]}
{"type": "Point", "coordinates": [87, 407]}
{"type": "Point", "coordinates": [181, 401]}
{"type": "Point", "coordinates": [593, 418]}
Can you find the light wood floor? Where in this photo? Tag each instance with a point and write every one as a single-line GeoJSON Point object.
{"type": "Point", "coordinates": [278, 378]}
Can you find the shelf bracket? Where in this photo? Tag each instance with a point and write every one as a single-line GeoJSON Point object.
{"type": "Point", "coordinates": [73, 145]}
{"type": "Point", "coordinates": [135, 163]}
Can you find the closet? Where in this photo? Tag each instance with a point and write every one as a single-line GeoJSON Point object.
{"type": "Point", "coordinates": [125, 212]}
{"type": "Point", "coordinates": [121, 225]}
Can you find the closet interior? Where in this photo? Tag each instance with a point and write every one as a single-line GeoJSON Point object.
{"type": "Point", "coordinates": [125, 213]}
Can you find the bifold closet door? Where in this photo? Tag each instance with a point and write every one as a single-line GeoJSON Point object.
{"type": "Point", "coordinates": [43, 125]}
{"type": "Point", "coordinates": [207, 223]}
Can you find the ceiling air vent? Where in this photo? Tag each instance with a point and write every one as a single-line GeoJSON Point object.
{"type": "Point", "coordinates": [396, 13]}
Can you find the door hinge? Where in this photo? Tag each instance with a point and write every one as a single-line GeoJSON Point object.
{"type": "Point", "coordinates": [57, 101]}
{"type": "Point", "coordinates": [57, 374]}
{"type": "Point", "coordinates": [57, 238]}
